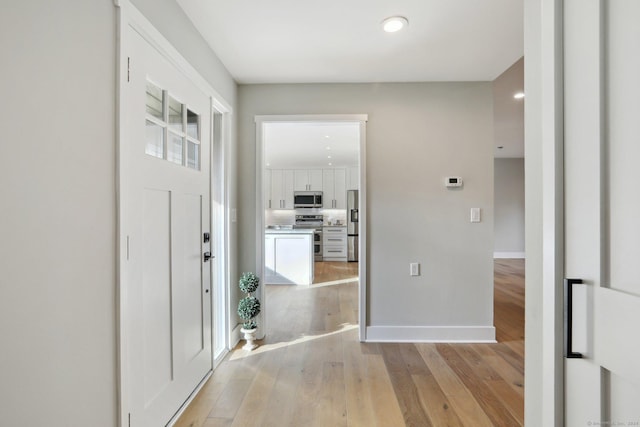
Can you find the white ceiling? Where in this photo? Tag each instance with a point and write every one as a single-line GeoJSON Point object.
{"type": "Point", "coordinates": [297, 41]}
{"type": "Point", "coordinates": [311, 145]}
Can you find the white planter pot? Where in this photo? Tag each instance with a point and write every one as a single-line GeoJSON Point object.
{"type": "Point", "coordinates": [250, 337]}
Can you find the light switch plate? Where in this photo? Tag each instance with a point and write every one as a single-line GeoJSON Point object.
{"type": "Point", "coordinates": [414, 269]}
{"type": "Point", "coordinates": [475, 214]}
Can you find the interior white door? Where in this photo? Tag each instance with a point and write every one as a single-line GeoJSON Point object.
{"type": "Point", "coordinates": [166, 192]}
{"type": "Point", "coordinates": [602, 148]}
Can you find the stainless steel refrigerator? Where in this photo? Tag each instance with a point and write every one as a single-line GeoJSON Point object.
{"type": "Point", "coordinates": [352, 225]}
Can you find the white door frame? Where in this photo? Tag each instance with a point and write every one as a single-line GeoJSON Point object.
{"type": "Point", "coordinates": [544, 193]}
{"type": "Point", "coordinates": [260, 223]}
{"type": "Point", "coordinates": [129, 16]}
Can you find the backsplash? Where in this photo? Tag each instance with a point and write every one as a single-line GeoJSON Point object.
{"type": "Point", "coordinates": [288, 216]}
{"type": "Point", "coordinates": [279, 217]}
{"type": "Point", "coordinates": [333, 215]}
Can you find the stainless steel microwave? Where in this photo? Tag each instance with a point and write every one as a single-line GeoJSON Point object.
{"type": "Point", "coordinates": [307, 199]}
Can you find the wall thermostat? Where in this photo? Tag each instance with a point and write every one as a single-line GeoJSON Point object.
{"type": "Point", "coordinates": [453, 181]}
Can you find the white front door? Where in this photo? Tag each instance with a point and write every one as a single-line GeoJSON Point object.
{"type": "Point", "coordinates": [602, 210]}
{"type": "Point", "coordinates": [166, 196]}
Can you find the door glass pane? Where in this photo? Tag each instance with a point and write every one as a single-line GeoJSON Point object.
{"type": "Point", "coordinates": [154, 101]}
{"type": "Point", "coordinates": [154, 140]}
{"type": "Point", "coordinates": [193, 122]}
{"type": "Point", "coordinates": [174, 148]}
{"type": "Point", "coordinates": [193, 155]}
{"type": "Point", "coordinates": [175, 115]}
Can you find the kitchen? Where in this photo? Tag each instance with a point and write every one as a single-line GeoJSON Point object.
{"type": "Point", "coordinates": [311, 201]}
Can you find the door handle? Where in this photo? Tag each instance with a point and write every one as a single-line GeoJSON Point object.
{"type": "Point", "coordinates": [207, 256]}
{"type": "Point", "coordinates": [568, 318]}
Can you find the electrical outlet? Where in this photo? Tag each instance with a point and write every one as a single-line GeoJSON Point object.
{"type": "Point", "coordinates": [414, 269]}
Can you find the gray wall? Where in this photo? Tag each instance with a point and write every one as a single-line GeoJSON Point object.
{"type": "Point", "coordinates": [509, 205]}
{"type": "Point", "coordinates": [58, 216]}
{"type": "Point", "coordinates": [58, 254]}
{"type": "Point", "coordinates": [417, 134]}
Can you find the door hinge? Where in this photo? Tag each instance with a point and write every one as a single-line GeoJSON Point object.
{"type": "Point", "coordinates": [128, 68]}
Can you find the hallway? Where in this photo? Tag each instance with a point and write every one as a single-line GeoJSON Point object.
{"type": "Point", "coordinates": [312, 371]}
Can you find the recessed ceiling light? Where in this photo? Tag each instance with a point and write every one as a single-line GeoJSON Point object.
{"type": "Point", "coordinates": [328, 157]}
{"type": "Point", "coordinates": [519, 95]}
{"type": "Point", "coordinates": [327, 136]}
{"type": "Point", "coordinates": [328, 148]}
{"type": "Point", "coordinates": [394, 23]}
{"type": "Point", "coordinates": [268, 164]}
{"type": "Point", "coordinates": [330, 164]}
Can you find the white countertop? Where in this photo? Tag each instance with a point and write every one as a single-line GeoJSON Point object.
{"type": "Point", "coordinates": [289, 231]}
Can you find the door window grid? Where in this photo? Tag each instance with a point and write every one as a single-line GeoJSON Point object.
{"type": "Point", "coordinates": [172, 129]}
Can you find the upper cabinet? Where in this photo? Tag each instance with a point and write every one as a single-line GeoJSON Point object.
{"type": "Point", "coordinates": [308, 180]}
{"type": "Point", "coordinates": [353, 178]}
{"type": "Point", "coordinates": [266, 189]}
{"type": "Point", "coordinates": [282, 181]}
{"type": "Point", "coordinates": [334, 187]}
{"type": "Point", "coordinates": [280, 184]}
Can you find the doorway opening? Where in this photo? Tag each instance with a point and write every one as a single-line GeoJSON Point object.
{"type": "Point", "coordinates": [311, 206]}
{"type": "Point", "coordinates": [509, 213]}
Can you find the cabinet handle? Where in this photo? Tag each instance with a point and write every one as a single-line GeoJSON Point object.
{"type": "Point", "coordinates": [335, 240]}
{"type": "Point", "coordinates": [334, 251]}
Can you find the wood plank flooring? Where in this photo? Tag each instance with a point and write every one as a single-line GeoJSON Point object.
{"type": "Point", "coordinates": [312, 371]}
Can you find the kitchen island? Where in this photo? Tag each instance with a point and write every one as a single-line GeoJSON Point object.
{"type": "Point", "coordinates": [288, 256]}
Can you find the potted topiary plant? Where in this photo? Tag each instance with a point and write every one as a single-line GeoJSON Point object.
{"type": "Point", "coordinates": [249, 308]}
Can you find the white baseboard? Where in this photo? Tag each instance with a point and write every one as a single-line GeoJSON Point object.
{"type": "Point", "coordinates": [485, 334]}
{"type": "Point", "coordinates": [519, 255]}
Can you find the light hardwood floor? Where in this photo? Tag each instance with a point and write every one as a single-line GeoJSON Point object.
{"type": "Point", "coordinates": [312, 371]}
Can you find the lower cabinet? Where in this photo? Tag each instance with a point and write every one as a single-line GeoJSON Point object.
{"type": "Point", "coordinates": [288, 258]}
{"type": "Point", "coordinates": [334, 243]}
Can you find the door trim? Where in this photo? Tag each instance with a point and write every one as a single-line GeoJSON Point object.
{"type": "Point", "coordinates": [129, 16]}
{"type": "Point", "coordinates": [260, 225]}
{"type": "Point", "coordinates": [544, 228]}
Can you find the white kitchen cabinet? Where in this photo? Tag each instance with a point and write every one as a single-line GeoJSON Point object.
{"type": "Point", "coordinates": [353, 178]}
{"type": "Point", "coordinates": [334, 187]}
{"type": "Point", "coordinates": [281, 189]}
{"type": "Point", "coordinates": [334, 243]}
{"type": "Point", "coordinates": [288, 257]}
{"type": "Point", "coordinates": [308, 180]}
{"type": "Point", "coordinates": [266, 188]}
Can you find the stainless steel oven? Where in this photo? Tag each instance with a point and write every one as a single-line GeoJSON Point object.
{"type": "Point", "coordinates": [312, 222]}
